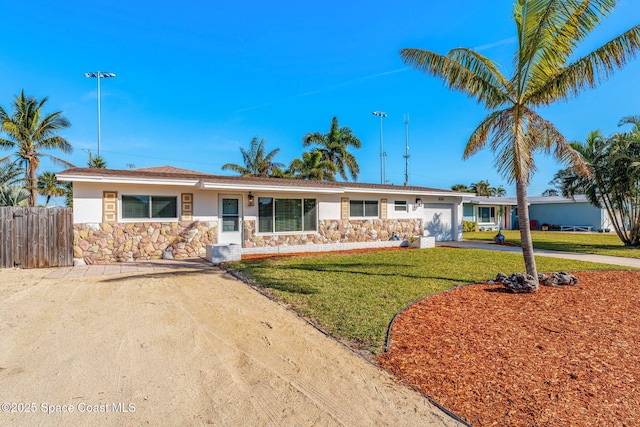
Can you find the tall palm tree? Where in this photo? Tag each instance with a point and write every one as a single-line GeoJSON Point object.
{"type": "Point", "coordinates": [256, 161]}
{"type": "Point", "coordinates": [614, 181]}
{"type": "Point", "coordinates": [313, 167]}
{"type": "Point", "coordinates": [548, 33]}
{"type": "Point", "coordinates": [49, 186]}
{"type": "Point", "coordinates": [334, 147]}
{"type": "Point", "coordinates": [31, 132]}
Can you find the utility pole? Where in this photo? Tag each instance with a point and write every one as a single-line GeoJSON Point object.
{"type": "Point", "coordinates": [406, 154]}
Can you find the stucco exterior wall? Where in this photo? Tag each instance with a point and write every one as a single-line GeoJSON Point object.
{"type": "Point", "coordinates": [87, 200]}
{"type": "Point", "coordinates": [568, 214]}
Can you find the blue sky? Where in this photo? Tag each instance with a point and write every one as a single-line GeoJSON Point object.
{"type": "Point", "coordinates": [197, 80]}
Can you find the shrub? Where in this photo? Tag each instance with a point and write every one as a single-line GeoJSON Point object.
{"type": "Point", "coordinates": [469, 226]}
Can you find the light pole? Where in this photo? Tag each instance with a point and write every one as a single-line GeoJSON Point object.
{"type": "Point", "coordinates": [99, 75]}
{"type": "Point", "coordinates": [382, 115]}
{"type": "Point", "coordinates": [406, 154]}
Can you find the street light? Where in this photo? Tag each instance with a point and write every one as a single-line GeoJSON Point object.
{"type": "Point", "coordinates": [99, 75]}
{"type": "Point", "coordinates": [382, 153]}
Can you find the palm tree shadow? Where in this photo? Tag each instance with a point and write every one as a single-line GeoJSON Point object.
{"type": "Point", "coordinates": [364, 269]}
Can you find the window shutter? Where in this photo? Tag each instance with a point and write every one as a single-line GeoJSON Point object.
{"type": "Point", "coordinates": [383, 208]}
{"type": "Point", "coordinates": [344, 209]}
{"type": "Point", "coordinates": [186, 207]}
{"type": "Point", "coordinates": [109, 206]}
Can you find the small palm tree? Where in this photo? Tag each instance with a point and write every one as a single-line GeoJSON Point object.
{"type": "Point", "coordinates": [545, 70]}
{"type": "Point", "coordinates": [481, 188]}
{"type": "Point", "coordinates": [334, 147]}
{"type": "Point", "coordinates": [460, 187]}
{"type": "Point", "coordinates": [31, 132]}
{"type": "Point", "coordinates": [49, 186]}
{"type": "Point", "coordinates": [256, 161]}
{"type": "Point", "coordinates": [313, 167]}
{"type": "Point", "coordinates": [96, 162]}
{"type": "Point", "coordinates": [13, 195]}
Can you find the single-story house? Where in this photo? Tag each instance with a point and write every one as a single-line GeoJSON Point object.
{"type": "Point", "coordinates": [554, 212]}
{"type": "Point", "coordinates": [121, 215]}
{"type": "Point", "coordinates": [568, 214]}
{"type": "Point", "coordinates": [489, 213]}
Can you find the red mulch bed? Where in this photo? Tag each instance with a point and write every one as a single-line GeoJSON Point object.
{"type": "Point", "coordinates": [565, 356]}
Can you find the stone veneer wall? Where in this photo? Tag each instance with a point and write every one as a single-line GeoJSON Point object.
{"type": "Point", "coordinates": [121, 242]}
{"type": "Point", "coordinates": [337, 231]}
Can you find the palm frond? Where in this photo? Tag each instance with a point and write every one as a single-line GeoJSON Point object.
{"type": "Point", "coordinates": [455, 75]}
{"type": "Point", "coordinates": [631, 120]}
{"type": "Point", "coordinates": [588, 71]}
{"type": "Point", "coordinates": [496, 127]}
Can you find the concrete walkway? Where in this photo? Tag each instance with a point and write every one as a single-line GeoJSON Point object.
{"type": "Point", "coordinates": [604, 259]}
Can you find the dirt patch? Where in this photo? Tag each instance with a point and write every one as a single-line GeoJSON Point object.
{"type": "Point", "coordinates": [560, 357]}
{"type": "Point", "coordinates": [180, 347]}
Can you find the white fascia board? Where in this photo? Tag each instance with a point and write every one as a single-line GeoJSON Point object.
{"type": "Point", "coordinates": [579, 198]}
{"type": "Point", "coordinates": [279, 188]}
{"type": "Point", "coordinates": [119, 180]}
{"type": "Point", "coordinates": [403, 192]}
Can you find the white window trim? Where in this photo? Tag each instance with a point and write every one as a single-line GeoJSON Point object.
{"type": "Point", "coordinates": [149, 219]}
{"type": "Point", "coordinates": [286, 233]}
{"type": "Point", "coordinates": [403, 204]}
{"type": "Point", "coordinates": [479, 216]}
{"type": "Point", "coordinates": [377, 216]}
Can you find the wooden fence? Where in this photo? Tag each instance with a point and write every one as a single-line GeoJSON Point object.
{"type": "Point", "coordinates": [36, 237]}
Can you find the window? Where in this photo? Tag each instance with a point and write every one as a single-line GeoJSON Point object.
{"type": "Point", "coordinates": [148, 207]}
{"type": "Point", "coordinates": [230, 215]}
{"type": "Point", "coordinates": [363, 208]}
{"type": "Point", "coordinates": [487, 214]}
{"type": "Point", "coordinates": [400, 206]}
{"type": "Point", "coordinates": [286, 215]}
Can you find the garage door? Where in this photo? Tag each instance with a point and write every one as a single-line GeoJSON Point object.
{"type": "Point", "coordinates": [438, 221]}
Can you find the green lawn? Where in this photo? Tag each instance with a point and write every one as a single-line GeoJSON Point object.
{"type": "Point", "coordinates": [586, 243]}
{"type": "Point", "coordinates": [355, 296]}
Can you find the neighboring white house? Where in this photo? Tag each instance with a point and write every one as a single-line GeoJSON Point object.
{"type": "Point", "coordinates": [121, 215]}
{"type": "Point", "coordinates": [489, 213]}
{"type": "Point", "coordinates": [552, 212]}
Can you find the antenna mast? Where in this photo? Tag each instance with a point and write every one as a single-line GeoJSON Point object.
{"type": "Point", "coordinates": [406, 155]}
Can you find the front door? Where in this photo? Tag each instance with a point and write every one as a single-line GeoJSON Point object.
{"type": "Point", "coordinates": [230, 220]}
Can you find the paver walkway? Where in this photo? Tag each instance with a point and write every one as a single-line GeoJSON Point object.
{"type": "Point", "coordinates": [605, 259]}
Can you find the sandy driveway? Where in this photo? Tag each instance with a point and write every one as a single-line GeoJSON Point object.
{"type": "Point", "coordinates": [180, 347]}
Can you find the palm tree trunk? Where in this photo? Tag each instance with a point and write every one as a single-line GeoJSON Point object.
{"type": "Point", "coordinates": [525, 230]}
{"type": "Point", "coordinates": [32, 184]}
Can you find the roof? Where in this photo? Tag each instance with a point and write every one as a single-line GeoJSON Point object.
{"type": "Point", "coordinates": [557, 199]}
{"type": "Point", "coordinates": [168, 169]}
{"type": "Point", "coordinates": [169, 175]}
{"type": "Point", "coordinates": [486, 200]}
{"type": "Point", "coordinates": [490, 200]}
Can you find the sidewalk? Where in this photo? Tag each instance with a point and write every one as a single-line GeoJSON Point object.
{"type": "Point", "coordinates": [490, 246]}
